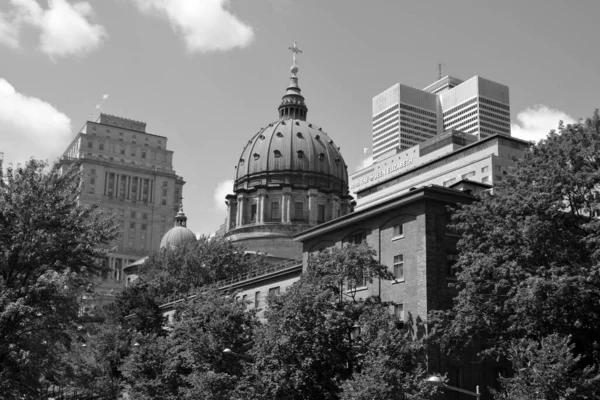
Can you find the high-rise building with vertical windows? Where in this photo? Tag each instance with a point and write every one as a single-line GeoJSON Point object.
{"type": "Point", "coordinates": [404, 116]}
{"type": "Point", "coordinates": [129, 173]}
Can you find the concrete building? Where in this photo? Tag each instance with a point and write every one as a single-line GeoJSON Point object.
{"type": "Point", "coordinates": [289, 177]}
{"type": "Point", "coordinates": [129, 173]}
{"type": "Point", "coordinates": [444, 160]}
{"type": "Point", "coordinates": [404, 116]}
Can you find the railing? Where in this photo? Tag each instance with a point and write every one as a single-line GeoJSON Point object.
{"type": "Point", "coordinates": [267, 269]}
{"type": "Point", "coordinates": [255, 273]}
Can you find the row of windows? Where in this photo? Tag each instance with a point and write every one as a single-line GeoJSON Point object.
{"type": "Point", "coordinates": [468, 122]}
{"type": "Point", "coordinates": [419, 129]}
{"type": "Point", "coordinates": [494, 103]}
{"type": "Point", "coordinates": [298, 211]}
{"type": "Point", "coordinates": [121, 134]}
{"type": "Point", "coordinates": [122, 150]}
{"type": "Point", "coordinates": [460, 106]}
{"type": "Point", "coordinates": [420, 117]}
{"type": "Point", "coordinates": [472, 116]}
{"type": "Point", "coordinates": [418, 110]}
{"type": "Point", "coordinates": [418, 123]}
{"type": "Point", "coordinates": [386, 144]}
{"type": "Point", "coordinates": [495, 125]}
{"type": "Point", "coordinates": [502, 114]}
{"type": "Point", "coordinates": [467, 110]}
{"type": "Point", "coordinates": [390, 117]}
{"type": "Point", "coordinates": [274, 291]}
{"type": "Point", "coordinates": [380, 134]}
{"type": "Point", "coordinates": [381, 139]}
{"type": "Point", "coordinates": [385, 125]}
{"type": "Point", "coordinates": [386, 112]}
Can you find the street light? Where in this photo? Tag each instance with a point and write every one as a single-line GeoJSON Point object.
{"type": "Point", "coordinates": [438, 381]}
{"type": "Point", "coordinates": [231, 353]}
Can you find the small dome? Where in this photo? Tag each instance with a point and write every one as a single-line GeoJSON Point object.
{"type": "Point", "coordinates": [179, 234]}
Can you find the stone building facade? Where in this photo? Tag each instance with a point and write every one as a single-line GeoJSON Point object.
{"type": "Point", "coordinates": [129, 173]}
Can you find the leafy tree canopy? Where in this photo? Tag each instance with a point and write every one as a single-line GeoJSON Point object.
{"type": "Point", "coordinates": [50, 249]}
{"type": "Point", "coordinates": [528, 265]}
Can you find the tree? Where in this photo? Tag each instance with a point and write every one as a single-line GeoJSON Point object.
{"type": "Point", "coordinates": [311, 346]}
{"type": "Point", "coordinates": [177, 271]}
{"type": "Point", "coordinates": [547, 370]}
{"type": "Point", "coordinates": [50, 249]}
{"type": "Point", "coordinates": [189, 363]}
{"type": "Point", "coordinates": [528, 264]}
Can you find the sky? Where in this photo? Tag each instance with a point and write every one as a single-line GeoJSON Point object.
{"type": "Point", "coordinates": [208, 74]}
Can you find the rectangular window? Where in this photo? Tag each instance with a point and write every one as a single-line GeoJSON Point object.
{"type": "Point", "coordinates": [91, 190]}
{"type": "Point", "coordinates": [132, 152]}
{"type": "Point", "coordinates": [164, 192]}
{"type": "Point", "coordinates": [398, 230]}
{"type": "Point", "coordinates": [144, 226]}
{"type": "Point", "coordinates": [144, 216]}
{"type": "Point", "coordinates": [245, 301]}
{"type": "Point", "coordinates": [485, 169]}
{"type": "Point", "coordinates": [321, 215]}
{"type": "Point", "coordinates": [165, 183]}
{"type": "Point", "coordinates": [92, 181]}
{"type": "Point", "coordinates": [133, 214]}
{"type": "Point", "coordinates": [122, 150]}
{"type": "Point", "coordinates": [101, 146]}
{"type": "Point", "coordinates": [468, 175]}
{"type": "Point", "coordinates": [143, 154]}
{"type": "Point", "coordinates": [275, 211]}
{"type": "Point", "coordinates": [449, 182]}
{"type": "Point", "coordinates": [497, 178]}
{"type": "Point", "coordinates": [299, 210]}
{"type": "Point", "coordinates": [253, 212]}
{"type": "Point", "coordinates": [399, 311]}
{"type": "Point", "coordinates": [164, 202]}
{"type": "Point", "coordinates": [485, 179]}
{"type": "Point", "coordinates": [274, 291]}
{"type": "Point", "coordinates": [256, 300]}
{"type": "Point", "coordinates": [93, 171]}
{"type": "Point", "coordinates": [451, 259]}
{"type": "Point", "coordinates": [132, 225]}
{"type": "Point", "coordinates": [399, 267]}
{"type": "Point", "coordinates": [90, 145]}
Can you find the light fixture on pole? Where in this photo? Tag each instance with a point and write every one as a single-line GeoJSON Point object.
{"type": "Point", "coordinates": [436, 380]}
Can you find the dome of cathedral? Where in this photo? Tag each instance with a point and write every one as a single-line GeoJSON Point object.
{"type": "Point", "coordinates": [292, 151]}
{"type": "Point", "coordinates": [179, 234]}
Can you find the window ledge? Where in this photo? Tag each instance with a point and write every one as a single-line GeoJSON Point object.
{"type": "Point", "coordinates": [357, 289]}
{"type": "Point", "coordinates": [397, 238]}
{"type": "Point", "coordinates": [395, 281]}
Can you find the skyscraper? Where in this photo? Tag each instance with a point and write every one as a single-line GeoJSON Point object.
{"type": "Point", "coordinates": [404, 116]}
{"type": "Point", "coordinates": [128, 173]}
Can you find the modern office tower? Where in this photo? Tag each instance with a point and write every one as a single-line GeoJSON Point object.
{"type": "Point", "coordinates": [129, 173]}
{"type": "Point", "coordinates": [404, 116]}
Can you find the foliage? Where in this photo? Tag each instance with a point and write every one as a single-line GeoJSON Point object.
{"type": "Point", "coordinates": [528, 266]}
{"type": "Point", "coordinates": [547, 370]}
{"type": "Point", "coordinates": [50, 249]}
{"type": "Point", "coordinates": [310, 348]}
{"type": "Point", "coordinates": [189, 362]}
{"type": "Point", "coordinates": [177, 271]}
{"type": "Point", "coordinates": [136, 307]}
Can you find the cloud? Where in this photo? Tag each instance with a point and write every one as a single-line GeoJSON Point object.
{"type": "Point", "coordinates": [65, 28]}
{"type": "Point", "coordinates": [30, 126]}
{"type": "Point", "coordinates": [206, 25]}
{"type": "Point", "coordinates": [366, 162]}
{"type": "Point", "coordinates": [223, 189]}
{"type": "Point", "coordinates": [535, 122]}
{"type": "Point", "coordinates": [9, 32]}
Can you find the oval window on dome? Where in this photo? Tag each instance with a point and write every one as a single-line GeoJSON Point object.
{"type": "Point", "coordinates": [299, 134]}
{"type": "Point", "coordinates": [318, 137]}
{"type": "Point", "coordinates": [262, 137]}
{"type": "Point", "coordinates": [277, 153]}
{"type": "Point", "coordinates": [241, 161]}
{"type": "Point", "coordinates": [300, 154]}
{"type": "Point", "coordinates": [337, 161]}
{"type": "Point", "coordinates": [321, 156]}
{"type": "Point", "coordinates": [256, 156]}
{"type": "Point", "coordinates": [279, 134]}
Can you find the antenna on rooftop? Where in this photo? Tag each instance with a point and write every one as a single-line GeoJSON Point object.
{"type": "Point", "coordinates": [99, 106]}
{"type": "Point", "coordinates": [440, 70]}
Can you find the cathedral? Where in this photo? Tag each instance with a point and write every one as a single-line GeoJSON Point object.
{"type": "Point", "coordinates": [290, 176]}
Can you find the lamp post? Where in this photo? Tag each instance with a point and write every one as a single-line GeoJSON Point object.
{"type": "Point", "coordinates": [231, 353]}
{"type": "Point", "coordinates": [438, 381]}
